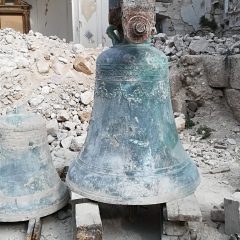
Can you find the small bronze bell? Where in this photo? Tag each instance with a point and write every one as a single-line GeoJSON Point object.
{"type": "Point", "coordinates": [29, 184]}
{"type": "Point", "coordinates": [132, 154]}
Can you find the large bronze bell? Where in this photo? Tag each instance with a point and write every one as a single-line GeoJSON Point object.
{"type": "Point", "coordinates": [29, 184]}
{"type": "Point", "coordinates": [132, 154]}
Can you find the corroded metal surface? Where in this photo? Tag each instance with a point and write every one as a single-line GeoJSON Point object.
{"type": "Point", "coordinates": [29, 184]}
{"type": "Point", "coordinates": [138, 18]}
{"type": "Point", "coordinates": [133, 20]}
{"type": "Point", "coordinates": [132, 154]}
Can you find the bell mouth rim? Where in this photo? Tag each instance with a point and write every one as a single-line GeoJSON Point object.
{"type": "Point", "coordinates": [37, 213]}
{"type": "Point", "coordinates": [145, 200]}
{"type": "Point", "coordinates": [164, 171]}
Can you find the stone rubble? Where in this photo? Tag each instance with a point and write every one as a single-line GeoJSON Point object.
{"type": "Point", "coordinates": [56, 79]}
{"type": "Point", "coordinates": [202, 69]}
{"type": "Point", "coordinates": [38, 72]}
{"type": "Point", "coordinates": [176, 46]}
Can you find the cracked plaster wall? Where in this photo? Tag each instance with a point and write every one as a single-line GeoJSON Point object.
{"type": "Point", "coordinates": [52, 17]}
{"type": "Point", "coordinates": [182, 16]}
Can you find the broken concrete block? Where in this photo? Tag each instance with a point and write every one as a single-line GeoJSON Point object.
{"type": "Point", "coordinates": [87, 219]}
{"type": "Point", "coordinates": [77, 143]}
{"type": "Point", "coordinates": [86, 97]}
{"type": "Point", "coordinates": [232, 214]}
{"type": "Point", "coordinates": [185, 210]}
{"type": "Point", "coordinates": [175, 228]}
{"type": "Point", "coordinates": [36, 101]}
{"type": "Point", "coordinates": [180, 122]}
{"type": "Point", "coordinates": [52, 127]}
{"type": "Point", "coordinates": [84, 116]}
{"type": "Point", "coordinates": [161, 36]}
{"type": "Point", "coordinates": [63, 116]}
{"type": "Point", "coordinates": [198, 46]}
{"type": "Point", "coordinates": [215, 68]}
{"type": "Point", "coordinates": [82, 65]}
{"type": "Point", "coordinates": [78, 48]}
{"type": "Point", "coordinates": [217, 214]}
{"type": "Point", "coordinates": [231, 96]}
{"type": "Point", "coordinates": [43, 67]}
{"type": "Point", "coordinates": [233, 63]}
{"type": "Point", "coordinates": [88, 222]}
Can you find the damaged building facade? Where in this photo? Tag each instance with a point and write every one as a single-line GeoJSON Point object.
{"type": "Point", "coordinates": [189, 16]}
{"type": "Point", "coordinates": [172, 17]}
{"type": "Point", "coordinates": [85, 21]}
{"type": "Point", "coordinates": [232, 14]}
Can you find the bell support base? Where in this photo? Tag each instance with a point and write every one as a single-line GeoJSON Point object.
{"type": "Point", "coordinates": [86, 227]}
{"type": "Point", "coordinates": [39, 213]}
{"type": "Point", "coordinates": [34, 229]}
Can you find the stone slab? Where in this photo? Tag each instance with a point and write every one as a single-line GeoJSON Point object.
{"type": "Point", "coordinates": [232, 214]}
{"type": "Point", "coordinates": [175, 228]}
{"type": "Point", "coordinates": [232, 97]}
{"type": "Point", "coordinates": [217, 215]}
{"type": "Point", "coordinates": [34, 229]}
{"type": "Point", "coordinates": [216, 72]}
{"type": "Point", "coordinates": [87, 219]}
{"type": "Point", "coordinates": [184, 210]}
{"type": "Point", "coordinates": [234, 70]}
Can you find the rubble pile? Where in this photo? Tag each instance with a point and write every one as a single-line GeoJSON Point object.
{"type": "Point", "coordinates": [202, 69]}
{"type": "Point", "coordinates": [53, 78]}
{"type": "Point", "coordinates": [177, 46]}
{"type": "Point", "coordinates": [56, 79]}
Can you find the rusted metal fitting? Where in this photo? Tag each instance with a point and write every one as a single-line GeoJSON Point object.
{"type": "Point", "coordinates": [140, 28]}
{"type": "Point", "coordinates": [138, 18]}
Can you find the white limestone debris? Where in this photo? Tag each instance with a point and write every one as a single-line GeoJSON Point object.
{"type": "Point", "coordinates": [204, 88]}
{"type": "Point", "coordinates": [179, 45]}
{"type": "Point", "coordinates": [38, 72]}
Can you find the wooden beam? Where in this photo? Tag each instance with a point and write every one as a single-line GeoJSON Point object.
{"type": "Point", "coordinates": [34, 229]}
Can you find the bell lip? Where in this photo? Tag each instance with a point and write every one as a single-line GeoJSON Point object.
{"type": "Point", "coordinates": [38, 213]}
{"type": "Point", "coordinates": [145, 201]}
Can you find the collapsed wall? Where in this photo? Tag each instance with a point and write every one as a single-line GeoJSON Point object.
{"type": "Point", "coordinates": [202, 69]}
{"type": "Point", "coordinates": [194, 16]}
{"type": "Point", "coordinates": [184, 16]}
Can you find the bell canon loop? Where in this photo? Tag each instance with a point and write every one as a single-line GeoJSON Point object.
{"type": "Point", "coordinates": [29, 184]}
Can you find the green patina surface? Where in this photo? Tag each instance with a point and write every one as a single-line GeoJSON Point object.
{"type": "Point", "coordinates": [29, 184]}
{"type": "Point", "coordinates": [132, 154]}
